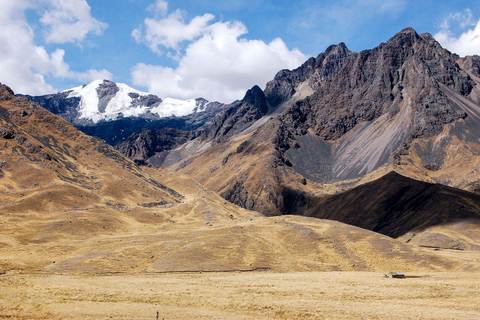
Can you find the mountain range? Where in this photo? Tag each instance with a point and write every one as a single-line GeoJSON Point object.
{"type": "Point", "coordinates": [339, 120]}
{"type": "Point", "coordinates": [114, 111]}
{"type": "Point", "coordinates": [329, 166]}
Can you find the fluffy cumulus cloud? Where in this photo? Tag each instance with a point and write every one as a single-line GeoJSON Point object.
{"type": "Point", "coordinates": [69, 21]}
{"type": "Point", "coordinates": [25, 65]}
{"type": "Point", "coordinates": [468, 42]}
{"type": "Point", "coordinates": [214, 61]}
{"type": "Point", "coordinates": [171, 31]}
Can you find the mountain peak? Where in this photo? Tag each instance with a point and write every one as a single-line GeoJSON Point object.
{"type": "Point", "coordinates": [5, 92]}
{"type": "Point", "coordinates": [256, 97]}
{"type": "Point", "coordinates": [406, 38]}
{"type": "Point", "coordinates": [408, 30]}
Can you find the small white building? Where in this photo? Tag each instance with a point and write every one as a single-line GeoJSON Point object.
{"type": "Point", "coordinates": [395, 275]}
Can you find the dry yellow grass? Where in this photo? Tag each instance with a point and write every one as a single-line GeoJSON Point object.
{"type": "Point", "coordinates": [252, 295]}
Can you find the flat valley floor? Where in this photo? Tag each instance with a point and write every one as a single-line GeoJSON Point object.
{"type": "Point", "coordinates": [240, 295]}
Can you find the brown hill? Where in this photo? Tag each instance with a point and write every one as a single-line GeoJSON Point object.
{"type": "Point", "coordinates": [395, 205]}
{"type": "Point", "coordinates": [47, 164]}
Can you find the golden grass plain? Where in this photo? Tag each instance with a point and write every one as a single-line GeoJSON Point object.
{"type": "Point", "coordinates": [241, 295]}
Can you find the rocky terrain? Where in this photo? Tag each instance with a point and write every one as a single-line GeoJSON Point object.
{"type": "Point", "coordinates": [339, 120]}
{"type": "Point", "coordinates": [150, 144]}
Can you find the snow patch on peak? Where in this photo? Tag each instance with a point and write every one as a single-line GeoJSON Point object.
{"type": "Point", "coordinates": [175, 107]}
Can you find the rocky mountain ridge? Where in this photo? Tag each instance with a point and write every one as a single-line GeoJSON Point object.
{"type": "Point", "coordinates": [341, 117]}
{"type": "Point", "coordinates": [113, 111]}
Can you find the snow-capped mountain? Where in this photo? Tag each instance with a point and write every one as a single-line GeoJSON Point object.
{"type": "Point", "coordinates": [113, 111]}
{"type": "Point", "coordinates": [106, 100]}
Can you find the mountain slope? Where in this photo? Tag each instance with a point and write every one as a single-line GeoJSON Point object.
{"type": "Point", "coordinates": [341, 119]}
{"type": "Point", "coordinates": [47, 164]}
{"type": "Point", "coordinates": [395, 205]}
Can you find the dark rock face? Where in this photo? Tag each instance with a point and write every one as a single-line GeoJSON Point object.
{"type": "Point", "coordinates": [105, 92]}
{"type": "Point", "coordinates": [471, 64]}
{"type": "Point", "coordinates": [362, 86]}
{"type": "Point", "coordinates": [238, 116]}
{"type": "Point", "coordinates": [146, 143]}
{"type": "Point", "coordinates": [316, 70]}
{"type": "Point", "coordinates": [59, 104]}
{"type": "Point", "coordinates": [7, 133]}
{"type": "Point", "coordinates": [149, 100]}
{"type": "Point", "coordinates": [5, 92]}
{"type": "Point", "coordinates": [237, 195]}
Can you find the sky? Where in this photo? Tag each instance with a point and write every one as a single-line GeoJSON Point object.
{"type": "Point", "coordinates": [214, 49]}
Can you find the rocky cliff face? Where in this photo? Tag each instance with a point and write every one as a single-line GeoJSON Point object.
{"type": "Point", "coordinates": [471, 64]}
{"type": "Point", "coordinates": [363, 86]}
{"type": "Point", "coordinates": [143, 145]}
{"type": "Point", "coordinates": [397, 85]}
{"type": "Point", "coordinates": [237, 116]}
{"type": "Point", "coordinates": [315, 71]}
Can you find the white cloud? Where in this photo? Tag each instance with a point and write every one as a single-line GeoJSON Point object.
{"type": "Point", "coordinates": [468, 42]}
{"type": "Point", "coordinates": [217, 63]}
{"type": "Point", "coordinates": [69, 21]}
{"type": "Point", "coordinates": [160, 7]}
{"type": "Point", "coordinates": [464, 19]}
{"type": "Point", "coordinates": [170, 31]}
{"type": "Point", "coordinates": [24, 66]}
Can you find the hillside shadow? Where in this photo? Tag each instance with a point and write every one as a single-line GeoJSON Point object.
{"type": "Point", "coordinates": [392, 205]}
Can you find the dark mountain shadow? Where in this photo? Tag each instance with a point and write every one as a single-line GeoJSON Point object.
{"type": "Point", "coordinates": [394, 205]}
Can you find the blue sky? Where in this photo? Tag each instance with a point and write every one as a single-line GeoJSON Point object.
{"type": "Point", "coordinates": [213, 49]}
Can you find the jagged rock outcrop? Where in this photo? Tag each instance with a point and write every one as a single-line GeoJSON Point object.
{"type": "Point", "coordinates": [105, 93]}
{"type": "Point", "coordinates": [471, 64]}
{"type": "Point", "coordinates": [237, 116]}
{"type": "Point", "coordinates": [145, 144]}
{"type": "Point", "coordinates": [363, 86]}
{"type": "Point", "coordinates": [148, 100]}
{"type": "Point", "coordinates": [315, 70]}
